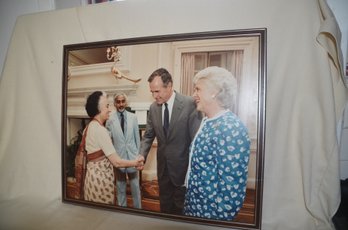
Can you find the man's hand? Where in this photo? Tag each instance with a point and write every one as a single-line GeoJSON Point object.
{"type": "Point", "coordinates": [140, 162]}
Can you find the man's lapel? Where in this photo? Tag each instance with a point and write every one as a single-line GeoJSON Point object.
{"type": "Point", "coordinates": [177, 109]}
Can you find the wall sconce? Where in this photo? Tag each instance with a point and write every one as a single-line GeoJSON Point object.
{"type": "Point", "coordinates": [114, 53]}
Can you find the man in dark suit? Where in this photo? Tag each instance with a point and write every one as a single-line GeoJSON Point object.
{"type": "Point", "coordinates": [173, 120]}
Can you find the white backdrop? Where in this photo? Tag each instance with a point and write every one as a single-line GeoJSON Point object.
{"type": "Point", "coordinates": [305, 98]}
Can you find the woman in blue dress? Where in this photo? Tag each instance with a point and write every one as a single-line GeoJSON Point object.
{"type": "Point", "coordinates": [219, 154]}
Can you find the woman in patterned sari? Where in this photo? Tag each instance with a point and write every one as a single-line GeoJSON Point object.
{"type": "Point", "coordinates": [101, 154]}
{"type": "Point", "coordinates": [219, 154]}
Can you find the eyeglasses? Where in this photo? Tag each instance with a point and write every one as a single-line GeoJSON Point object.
{"type": "Point", "coordinates": [120, 101]}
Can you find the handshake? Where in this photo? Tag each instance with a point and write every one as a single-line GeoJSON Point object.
{"type": "Point", "coordinates": [139, 162]}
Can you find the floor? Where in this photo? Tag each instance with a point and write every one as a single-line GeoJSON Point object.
{"type": "Point", "coordinates": [150, 202]}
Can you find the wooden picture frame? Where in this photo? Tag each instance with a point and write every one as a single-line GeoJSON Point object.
{"type": "Point", "coordinates": [87, 67]}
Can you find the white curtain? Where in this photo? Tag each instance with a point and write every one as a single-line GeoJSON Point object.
{"type": "Point", "coordinates": [236, 62]}
{"type": "Point", "coordinates": [232, 61]}
{"type": "Point", "coordinates": [187, 73]}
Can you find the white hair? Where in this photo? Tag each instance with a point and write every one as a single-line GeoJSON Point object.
{"type": "Point", "coordinates": [121, 94]}
{"type": "Point", "coordinates": [223, 81]}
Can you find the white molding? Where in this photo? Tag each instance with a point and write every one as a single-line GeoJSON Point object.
{"type": "Point", "coordinates": [77, 97]}
{"type": "Point", "coordinates": [109, 90]}
{"type": "Point", "coordinates": [91, 69]}
{"type": "Point", "coordinates": [247, 44]}
{"type": "Point", "coordinates": [140, 105]}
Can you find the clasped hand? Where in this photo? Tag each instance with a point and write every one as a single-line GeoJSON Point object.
{"type": "Point", "coordinates": [140, 162]}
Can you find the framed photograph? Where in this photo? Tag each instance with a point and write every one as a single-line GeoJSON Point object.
{"type": "Point", "coordinates": [124, 65]}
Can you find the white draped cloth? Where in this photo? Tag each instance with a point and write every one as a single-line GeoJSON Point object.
{"type": "Point", "coordinates": [305, 97]}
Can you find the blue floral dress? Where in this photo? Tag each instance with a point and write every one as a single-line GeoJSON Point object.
{"type": "Point", "coordinates": [218, 170]}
